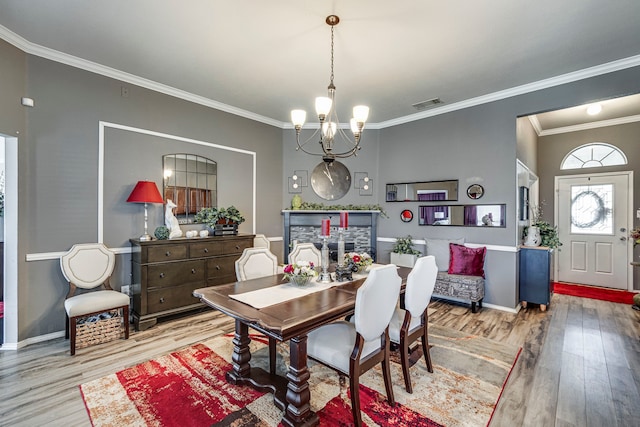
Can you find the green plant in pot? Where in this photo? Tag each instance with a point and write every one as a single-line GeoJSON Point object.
{"type": "Point", "coordinates": [403, 253]}
{"type": "Point", "coordinates": [207, 216]}
{"type": "Point", "coordinates": [220, 220]}
{"type": "Point", "coordinates": [548, 233]}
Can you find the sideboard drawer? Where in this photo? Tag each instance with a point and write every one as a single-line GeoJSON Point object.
{"type": "Point", "coordinates": [169, 274]}
{"type": "Point", "coordinates": [205, 249]}
{"type": "Point", "coordinates": [236, 246]}
{"type": "Point", "coordinates": [167, 253]}
{"type": "Point", "coordinates": [170, 298]}
{"type": "Point", "coordinates": [222, 266]}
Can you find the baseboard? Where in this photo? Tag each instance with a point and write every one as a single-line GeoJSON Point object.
{"type": "Point", "coordinates": [484, 304]}
{"type": "Point", "coordinates": [32, 340]}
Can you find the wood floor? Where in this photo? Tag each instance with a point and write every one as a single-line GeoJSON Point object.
{"type": "Point", "coordinates": [580, 364]}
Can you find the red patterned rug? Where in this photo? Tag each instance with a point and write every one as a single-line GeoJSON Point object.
{"type": "Point", "coordinates": [188, 388]}
{"type": "Point", "coordinates": [594, 292]}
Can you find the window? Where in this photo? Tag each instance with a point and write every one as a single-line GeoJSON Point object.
{"type": "Point", "coordinates": [593, 155]}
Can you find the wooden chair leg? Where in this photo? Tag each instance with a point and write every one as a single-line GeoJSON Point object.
{"type": "Point", "coordinates": [66, 327]}
{"type": "Point", "coordinates": [72, 327]}
{"type": "Point", "coordinates": [272, 356]}
{"type": "Point", "coordinates": [425, 350]}
{"type": "Point", "coordinates": [386, 374]}
{"type": "Point", "coordinates": [354, 386]}
{"type": "Point", "coordinates": [125, 315]}
{"type": "Point", "coordinates": [404, 358]}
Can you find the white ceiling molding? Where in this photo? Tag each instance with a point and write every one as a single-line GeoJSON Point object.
{"type": "Point", "coordinates": [34, 49]}
{"type": "Point", "coordinates": [535, 123]}
{"type": "Point", "coordinates": [592, 125]}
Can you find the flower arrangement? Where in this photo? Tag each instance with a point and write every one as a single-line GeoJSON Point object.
{"type": "Point", "coordinates": [212, 216]}
{"type": "Point", "coordinates": [635, 235]}
{"type": "Point", "coordinates": [361, 261]}
{"type": "Point", "coordinates": [548, 232]}
{"type": "Point", "coordinates": [300, 273]}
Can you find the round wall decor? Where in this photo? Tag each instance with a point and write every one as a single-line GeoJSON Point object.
{"type": "Point", "coordinates": [406, 215]}
{"type": "Point", "coordinates": [475, 191]}
{"type": "Point", "coordinates": [331, 181]}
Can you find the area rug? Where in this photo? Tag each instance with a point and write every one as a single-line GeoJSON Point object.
{"type": "Point", "coordinates": [594, 292]}
{"type": "Point", "coordinates": [188, 388]}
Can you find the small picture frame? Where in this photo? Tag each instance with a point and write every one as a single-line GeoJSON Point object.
{"type": "Point", "coordinates": [523, 205]}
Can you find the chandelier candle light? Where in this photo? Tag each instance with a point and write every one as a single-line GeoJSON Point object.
{"type": "Point", "coordinates": [325, 276]}
{"type": "Point", "coordinates": [329, 123]}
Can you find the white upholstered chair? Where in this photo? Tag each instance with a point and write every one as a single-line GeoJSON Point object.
{"type": "Point", "coordinates": [252, 264]}
{"type": "Point", "coordinates": [411, 323]}
{"type": "Point", "coordinates": [352, 348]}
{"type": "Point", "coordinates": [261, 241]}
{"type": "Point", "coordinates": [305, 252]}
{"type": "Point", "coordinates": [87, 266]}
{"type": "Point", "coordinates": [256, 262]}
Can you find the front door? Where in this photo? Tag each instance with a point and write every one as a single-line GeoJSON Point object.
{"type": "Point", "coordinates": [593, 219]}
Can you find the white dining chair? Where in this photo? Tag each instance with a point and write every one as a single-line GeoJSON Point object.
{"type": "Point", "coordinates": [352, 348]}
{"type": "Point", "coordinates": [411, 323]}
{"type": "Point", "coordinates": [252, 264]}
{"type": "Point", "coordinates": [305, 252]}
{"type": "Point", "coordinates": [261, 241]}
{"type": "Point", "coordinates": [88, 266]}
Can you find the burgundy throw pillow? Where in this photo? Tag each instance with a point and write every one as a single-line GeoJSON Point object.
{"type": "Point", "coordinates": [466, 261]}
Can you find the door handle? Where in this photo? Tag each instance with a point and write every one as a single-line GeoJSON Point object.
{"type": "Point", "coordinates": [623, 229]}
{"type": "Point", "coordinates": [623, 238]}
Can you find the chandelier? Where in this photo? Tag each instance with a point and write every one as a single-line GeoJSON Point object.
{"type": "Point", "coordinates": [330, 131]}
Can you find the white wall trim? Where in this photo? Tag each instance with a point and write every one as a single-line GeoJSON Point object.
{"type": "Point", "coordinates": [469, 244]}
{"type": "Point", "coordinates": [101, 145]}
{"type": "Point", "coordinates": [33, 340]}
{"type": "Point", "coordinates": [11, 219]}
{"type": "Point", "coordinates": [586, 126]}
{"type": "Point", "coordinates": [53, 55]}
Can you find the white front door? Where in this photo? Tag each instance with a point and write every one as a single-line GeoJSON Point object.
{"type": "Point", "coordinates": [593, 220]}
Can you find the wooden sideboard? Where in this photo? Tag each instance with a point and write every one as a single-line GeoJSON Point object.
{"type": "Point", "coordinates": [165, 273]}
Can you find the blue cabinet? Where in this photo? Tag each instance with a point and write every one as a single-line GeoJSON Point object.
{"type": "Point", "coordinates": [535, 276]}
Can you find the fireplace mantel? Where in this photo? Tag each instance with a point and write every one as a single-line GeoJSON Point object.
{"type": "Point", "coordinates": [304, 226]}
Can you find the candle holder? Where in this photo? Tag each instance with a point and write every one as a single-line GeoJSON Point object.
{"type": "Point", "coordinates": [325, 276]}
{"type": "Point", "coordinates": [340, 247]}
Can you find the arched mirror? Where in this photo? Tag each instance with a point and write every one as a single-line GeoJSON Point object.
{"type": "Point", "coordinates": [190, 181]}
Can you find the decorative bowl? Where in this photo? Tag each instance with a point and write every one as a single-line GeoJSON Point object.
{"type": "Point", "coordinates": [299, 280]}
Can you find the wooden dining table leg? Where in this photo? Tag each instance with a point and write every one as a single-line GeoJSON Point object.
{"type": "Point", "coordinates": [298, 411]}
{"type": "Point", "coordinates": [241, 354]}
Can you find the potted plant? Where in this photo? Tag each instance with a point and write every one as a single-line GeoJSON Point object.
{"type": "Point", "coordinates": [220, 220]}
{"type": "Point", "coordinates": [541, 232]}
{"type": "Point", "coordinates": [403, 253]}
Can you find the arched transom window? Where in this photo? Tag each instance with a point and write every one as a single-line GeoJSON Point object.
{"type": "Point", "coordinates": [593, 155]}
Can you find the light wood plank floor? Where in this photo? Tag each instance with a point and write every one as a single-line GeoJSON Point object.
{"type": "Point", "coordinates": [580, 364]}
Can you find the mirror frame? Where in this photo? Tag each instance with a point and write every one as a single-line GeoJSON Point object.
{"type": "Point", "coordinates": [191, 182]}
{"type": "Point", "coordinates": [460, 212]}
{"type": "Point", "coordinates": [475, 191]}
{"type": "Point", "coordinates": [393, 190]}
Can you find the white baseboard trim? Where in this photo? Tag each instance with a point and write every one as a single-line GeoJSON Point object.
{"type": "Point", "coordinates": [484, 304]}
{"type": "Point", "coordinates": [32, 340]}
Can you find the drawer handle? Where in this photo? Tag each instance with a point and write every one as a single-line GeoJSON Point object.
{"type": "Point", "coordinates": [193, 271]}
{"type": "Point", "coordinates": [168, 253]}
{"type": "Point", "coordinates": [162, 275]}
{"type": "Point", "coordinates": [237, 247]}
{"type": "Point", "coordinates": [206, 250]}
{"type": "Point", "coordinates": [161, 300]}
{"type": "Point", "coordinates": [217, 267]}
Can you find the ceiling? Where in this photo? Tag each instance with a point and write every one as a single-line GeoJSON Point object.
{"type": "Point", "coordinates": [261, 59]}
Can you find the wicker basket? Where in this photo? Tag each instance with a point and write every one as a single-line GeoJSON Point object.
{"type": "Point", "coordinates": [99, 331]}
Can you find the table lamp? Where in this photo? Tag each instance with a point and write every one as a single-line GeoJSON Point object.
{"type": "Point", "coordinates": [145, 192]}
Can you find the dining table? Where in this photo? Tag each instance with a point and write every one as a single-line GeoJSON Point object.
{"type": "Point", "coordinates": [283, 312]}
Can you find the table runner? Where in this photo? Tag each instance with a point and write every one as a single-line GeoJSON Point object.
{"type": "Point", "coordinates": [273, 295]}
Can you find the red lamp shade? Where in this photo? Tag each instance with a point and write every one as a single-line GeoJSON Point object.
{"type": "Point", "coordinates": [145, 192]}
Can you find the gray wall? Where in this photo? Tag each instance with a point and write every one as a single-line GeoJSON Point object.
{"type": "Point", "coordinates": [553, 148]}
{"type": "Point", "coordinates": [477, 144]}
{"type": "Point", "coordinates": [60, 176]}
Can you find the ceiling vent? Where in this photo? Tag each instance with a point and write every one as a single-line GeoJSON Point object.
{"type": "Point", "coordinates": [423, 105]}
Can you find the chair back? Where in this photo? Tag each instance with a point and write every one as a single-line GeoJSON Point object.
{"type": "Point", "coordinates": [88, 265]}
{"type": "Point", "coordinates": [254, 263]}
{"type": "Point", "coordinates": [261, 241]}
{"type": "Point", "coordinates": [305, 252]}
{"type": "Point", "coordinates": [376, 301]}
{"type": "Point", "coordinates": [420, 284]}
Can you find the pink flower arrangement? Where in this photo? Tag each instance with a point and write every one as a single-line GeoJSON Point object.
{"type": "Point", "coordinates": [301, 268]}
{"type": "Point", "coordinates": [635, 235]}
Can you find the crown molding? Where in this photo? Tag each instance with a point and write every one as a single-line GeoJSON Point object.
{"type": "Point", "coordinates": [533, 119]}
{"type": "Point", "coordinates": [592, 125]}
{"type": "Point", "coordinates": [54, 55]}
{"type": "Point", "coordinates": [34, 49]}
